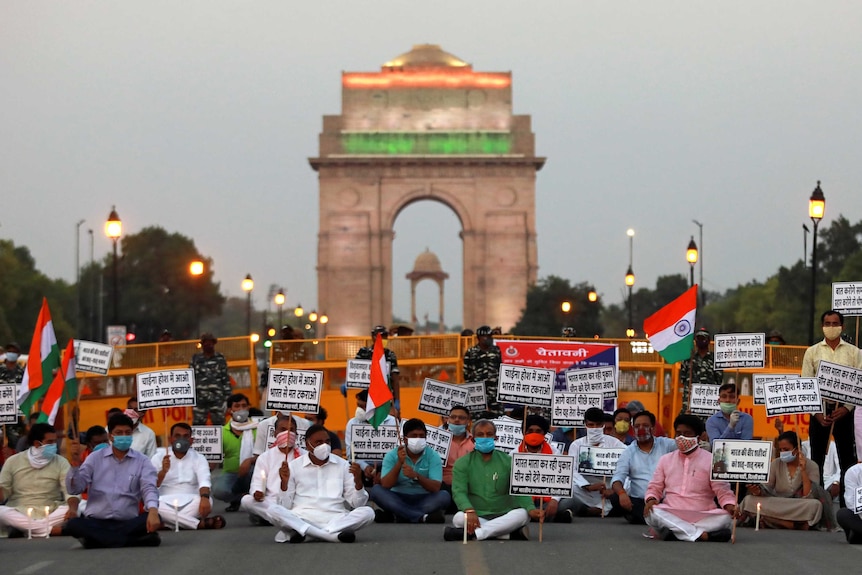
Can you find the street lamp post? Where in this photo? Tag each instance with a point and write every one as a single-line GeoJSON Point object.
{"type": "Point", "coordinates": [114, 229]}
{"type": "Point", "coordinates": [196, 269]}
{"type": "Point", "coordinates": [279, 301]}
{"type": "Point", "coordinates": [323, 320]}
{"type": "Point", "coordinates": [816, 210]}
{"type": "Point", "coordinates": [691, 258]}
{"type": "Point", "coordinates": [701, 295]}
{"type": "Point", "coordinates": [247, 286]}
{"type": "Point", "coordinates": [630, 281]}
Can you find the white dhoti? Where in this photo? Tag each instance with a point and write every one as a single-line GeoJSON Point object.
{"type": "Point", "coordinates": [290, 522]}
{"type": "Point", "coordinates": [497, 527]}
{"type": "Point", "coordinates": [691, 529]}
{"type": "Point", "coordinates": [39, 526]}
{"type": "Point", "coordinates": [257, 508]}
{"type": "Point", "coordinates": [186, 512]}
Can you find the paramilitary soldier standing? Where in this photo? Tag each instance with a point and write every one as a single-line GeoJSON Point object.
{"type": "Point", "coordinates": [212, 382]}
{"type": "Point", "coordinates": [482, 363]}
{"type": "Point", "coordinates": [704, 368]}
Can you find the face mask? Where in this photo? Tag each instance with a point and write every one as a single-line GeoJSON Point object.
{"type": "Point", "coordinates": [285, 439]}
{"type": "Point", "coordinates": [123, 442]}
{"type": "Point", "coordinates": [534, 439]}
{"type": "Point", "coordinates": [786, 456]}
{"type": "Point", "coordinates": [99, 446]}
{"type": "Point", "coordinates": [642, 435]}
{"type": "Point", "coordinates": [594, 434]}
{"type": "Point", "coordinates": [182, 445]}
{"type": "Point", "coordinates": [49, 450]}
{"type": "Point", "coordinates": [240, 416]}
{"type": "Point", "coordinates": [686, 444]}
{"type": "Point", "coordinates": [727, 408]}
{"type": "Point", "coordinates": [832, 332]}
{"type": "Point", "coordinates": [322, 451]}
{"type": "Point", "coordinates": [622, 426]}
{"type": "Point", "coordinates": [359, 414]}
{"type": "Point", "coordinates": [11, 356]}
{"type": "Point", "coordinates": [484, 444]}
{"type": "Point", "coordinates": [457, 429]}
{"type": "Point", "coordinates": [416, 445]}
{"type": "Point", "coordinates": [701, 343]}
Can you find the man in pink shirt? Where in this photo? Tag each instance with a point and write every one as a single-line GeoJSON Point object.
{"type": "Point", "coordinates": [679, 501]}
{"type": "Point", "coordinates": [462, 441]}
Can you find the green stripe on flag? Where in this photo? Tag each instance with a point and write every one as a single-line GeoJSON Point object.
{"type": "Point", "coordinates": [678, 351]}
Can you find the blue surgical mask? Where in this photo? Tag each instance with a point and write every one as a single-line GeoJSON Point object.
{"type": "Point", "coordinates": [49, 450]}
{"type": "Point", "coordinates": [99, 446]}
{"type": "Point", "coordinates": [484, 444]}
{"type": "Point", "coordinates": [457, 428]}
{"type": "Point", "coordinates": [11, 356]}
{"type": "Point", "coordinates": [786, 456]}
{"type": "Point", "coordinates": [123, 442]}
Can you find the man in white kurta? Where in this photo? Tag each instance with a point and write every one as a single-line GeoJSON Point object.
{"type": "Point", "coordinates": [266, 485]}
{"type": "Point", "coordinates": [320, 489]}
{"type": "Point", "coordinates": [184, 482]}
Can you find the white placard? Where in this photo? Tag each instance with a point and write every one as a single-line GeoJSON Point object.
{"type": "Point", "coordinates": [857, 508]}
{"type": "Point", "coordinates": [93, 357]}
{"type": "Point", "coordinates": [294, 390]}
{"type": "Point", "coordinates": [847, 298]}
{"type": "Point", "coordinates": [735, 350]}
{"type": "Point", "coordinates": [801, 395]}
{"type": "Point", "coordinates": [371, 444]}
{"type": "Point", "coordinates": [541, 475]}
{"type": "Point", "coordinates": [8, 404]}
{"type": "Point", "coordinates": [761, 379]}
{"type": "Point", "coordinates": [208, 442]}
{"type": "Point", "coordinates": [735, 460]}
{"type": "Point", "coordinates": [525, 385]}
{"type": "Point", "coordinates": [509, 434]}
{"type": "Point", "coordinates": [477, 402]}
{"type": "Point", "coordinates": [840, 383]}
{"type": "Point", "coordinates": [440, 440]}
{"type": "Point", "coordinates": [167, 388]}
{"type": "Point", "coordinates": [704, 399]}
{"type": "Point", "coordinates": [439, 398]}
{"type": "Point", "coordinates": [593, 380]}
{"type": "Point", "coordinates": [358, 374]}
{"type": "Point", "coordinates": [601, 461]}
{"type": "Point", "coordinates": [568, 408]}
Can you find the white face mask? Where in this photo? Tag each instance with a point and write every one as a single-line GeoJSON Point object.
{"type": "Point", "coordinates": [594, 434]}
{"type": "Point", "coordinates": [786, 456]}
{"type": "Point", "coordinates": [359, 414]}
{"type": "Point", "coordinates": [416, 445]}
{"type": "Point", "coordinates": [322, 451]}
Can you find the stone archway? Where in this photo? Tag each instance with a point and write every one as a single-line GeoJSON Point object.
{"type": "Point", "coordinates": [427, 127]}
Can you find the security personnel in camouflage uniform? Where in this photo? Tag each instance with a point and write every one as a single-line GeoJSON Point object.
{"type": "Point", "coordinates": [391, 359]}
{"type": "Point", "coordinates": [482, 363]}
{"type": "Point", "coordinates": [704, 372]}
{"type": "Point", "coordinates": [212, 382]}
{"type": "Point", "coordinates": [10, 371]}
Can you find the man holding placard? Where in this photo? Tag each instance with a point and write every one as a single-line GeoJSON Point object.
{"type": "Point", "coordinates": [850, 517]}
{"type": "Point", "coordinates": [212, 382]}
{"type": "Point", "coordinates": [536, 428]}
{"type": "Point", "coordinates": [462, 442]}
{"type": "Point", "coordinates": [391, 360]}
{"type": "Point", "coordinates": [835, 419]}
{"type": "Point", "coordinates": [482, 363]}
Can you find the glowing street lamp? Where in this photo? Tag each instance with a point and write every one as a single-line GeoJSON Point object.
{"type": "Point", "coordinates": [114, 229]}
{"type": "Point", "coordinates": [247, 286]}
{"type": "Point", "coordinates": [816, 211]}
{"type": "Point", "coordinates": [279, 301]}
{"type": "Point", "coordinates": [691, 257]}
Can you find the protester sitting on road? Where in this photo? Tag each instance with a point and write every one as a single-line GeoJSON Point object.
{"type": "Point", "coordinates": [233, 480]}
{"type": "Point", "coordinates": [318, 490]}
{"type": "Point", "coordinates": [266, 483]}
{"type": "Point", "coordinates": [590, 491]}
{"type": "Point", "coordinates": [143, 438]}
{"type": "Point", "coordinates": [117, 480]}
{"type": "Point", "coordinates": [458, 425]}
{"type": "Point", "coordinates": [793, 497]}
{"type": "Point", "coordinates": [263, 439]}
{"type": "Point", "coordinates": [480, 487]}
{"type": "Point", "coordinates": [319, 418]}
{"type": "Point", "coordinates": [680, 498]}
{"type": "Point", "coordinates": [33, 484]}
{"type": "Point", "coordinates": [184, 483]}
{"type": "Point", "coordinates": [636, 467]}
{"type": "Point", "coordinates": [729, 422]}
{"type": "Point", "coordinates": [536, 427]}
{"type": "Point", "coordinates": [95, 438]}
{"type": "Point", "coordinates": [850, 518]}
{"type": "Point", "coordinates": [370, 470]}
{"type": "Point", "coordinates": [409, 489]}
{"type": "Point", "coordinates": [634, 406]}
{"type": "Point", "coordinates": [622, 423]}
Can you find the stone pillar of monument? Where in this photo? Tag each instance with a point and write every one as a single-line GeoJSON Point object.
{"type": "Point", "coordinates": [426, 127]}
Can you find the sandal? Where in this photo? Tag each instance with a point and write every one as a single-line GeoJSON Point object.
{"type": "Point", "coordinates": [215, 522]}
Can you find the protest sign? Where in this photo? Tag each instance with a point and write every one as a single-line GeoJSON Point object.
{"type": "Point", "coordinates": [476, 400]}
{"type": "Point", "coordinates": [525, 385]}
{"type": "Point", "coordinates": [704, 399]}
{"type": "Point", "coordinates": [761, 379]}
{"type": "Point", "coordinates": [93, 357]}
{"type": "Point", "coordinates": [509, 434]}
{"type": "Point", "coordinates": [857, 507]}
{"type": "Point", "coordinates": [207, 440]}
{"type": "Point", "coordinates": [847, 298]}
{"type": "Point", "coordinates": [801, 395]}
{"type": "Point", "coordinates": [358, 373]}
{"type": "Point", "coordinates": [741, 460]}
{"type": "Point", "coordinates": [438, 397]}
{"type": "Point", "coordinates": [593, 380]}
{"type": "Point", "coordinates": [372, 444]}
{"type": "Point", "coordinates": [601, 461]}
{"type": "Point", "coordinates": [8, 404]}
{"type": "Point", "coordinates": [541, 475]}
{"type": "Point", "coordinates": [567, 409]}
{"type": "Point", "coordinates": [840, 383]}
{"type": "Point", "coordinates": [439, 440]}
{"type": "Point", "coordinates": [735, 350]}
{"type": "Point", "coordinates": [168, 388]}
{"type": "Point", "coordinates": [294, 390]}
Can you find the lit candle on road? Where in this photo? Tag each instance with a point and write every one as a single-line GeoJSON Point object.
{"type": "Point", "coordinates": [29, 523]}
{"type": "Point", "coordinates": [47, 523]}
{"type": "Point", "coordinates": [757, 520]}
{"type": "Point", "coordinates": [176, 516]}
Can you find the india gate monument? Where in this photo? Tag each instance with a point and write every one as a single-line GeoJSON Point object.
{"type": "Point", "coordinates": [425, 127]}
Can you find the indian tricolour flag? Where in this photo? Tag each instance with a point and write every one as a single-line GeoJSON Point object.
{"type": "Point", "coordinates": [63, 389]}
{"type": "Point", "coordinates": [670, 330]}
{"type": "Point", "coordinates": [379, 395]}
{"type": "Point", "coordinates": [44, 359]}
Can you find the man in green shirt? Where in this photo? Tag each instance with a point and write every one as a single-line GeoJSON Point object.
{"type": "Point", "coordinates": [480, 488]}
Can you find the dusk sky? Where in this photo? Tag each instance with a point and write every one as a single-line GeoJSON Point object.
{"type": "Point", "coordinates": [200, 117]}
